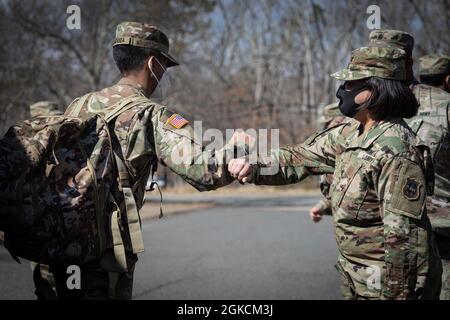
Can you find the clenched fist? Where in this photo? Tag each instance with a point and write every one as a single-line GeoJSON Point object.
{"type": "Point", "coordinates": [240, 169]}
{"type": "Point", "coordinates": [316, 214]}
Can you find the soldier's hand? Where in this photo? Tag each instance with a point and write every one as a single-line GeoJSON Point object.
{"type": "Point", "coordinates": [240, 169]}
{"type": "Point", "coordinates": [316, 214]}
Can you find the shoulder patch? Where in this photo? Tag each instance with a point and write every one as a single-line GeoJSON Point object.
{"type": "Point", "coordinates": [177, 121]}
{"type": "Point", "coordinates": [408, 192]}
{"type": "Point", "coordinates": [411, 189]}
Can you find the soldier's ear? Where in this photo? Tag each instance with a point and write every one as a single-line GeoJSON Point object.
{"type": "Point", "coordinates": [149, 63]}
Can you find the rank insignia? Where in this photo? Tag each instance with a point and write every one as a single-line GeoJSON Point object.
{"type": "Point", "coordinates": [177, 121]}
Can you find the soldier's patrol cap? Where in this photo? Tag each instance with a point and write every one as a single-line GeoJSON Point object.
{"type": "Point", "coordinates": [375, 61]}
{"type": "Point", "coordinates": [45, 108]}
{"type": "Point", "coordinates": [329, 112]}
{"type": "Point", "coordinates": [145, 36]}
{"type": "Point", "coordinates": [395, 38]}
{"type": "Point", "coordinates": [434, 65]}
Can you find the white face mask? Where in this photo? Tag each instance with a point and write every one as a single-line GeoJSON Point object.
{"type": "Point", "coordinates": [160, 92]}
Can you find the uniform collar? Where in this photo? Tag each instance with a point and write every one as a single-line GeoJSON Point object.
{"type": "Point", "coordinates": [132, 83]}
{"type": "Point", "coordinates": [366, 140]}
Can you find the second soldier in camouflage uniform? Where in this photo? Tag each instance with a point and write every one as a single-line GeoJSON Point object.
{"type": "Point", "coordinates": [386, 246]}
{"type": "Point", "coordinates": [432, 126]}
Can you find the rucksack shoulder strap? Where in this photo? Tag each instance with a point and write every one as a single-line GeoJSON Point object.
{"type": "Point", "coordinates": [133, 221]}
{"type": "Point", "coordinates": [75, 107]}
{"type": "Point", "coordinates": [124, 105]}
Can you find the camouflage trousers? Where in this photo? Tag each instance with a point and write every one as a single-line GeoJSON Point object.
{"type": "Point", "coordinates": [96, 283]}
{"type": "Point", "coordinates": [445, 291]}
{"type": "Point", "coordinates": [444, 250]}
{"type": "Point", "coordinates": [348, 291]}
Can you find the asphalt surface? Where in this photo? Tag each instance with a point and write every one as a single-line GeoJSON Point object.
{"type": "Point", "coordinates": [244, 248]}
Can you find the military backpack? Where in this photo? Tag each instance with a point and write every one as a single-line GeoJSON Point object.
{"type": "Point", "coordinates": [57, 180]}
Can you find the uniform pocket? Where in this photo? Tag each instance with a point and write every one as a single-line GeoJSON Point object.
{"type": "Point", "coordinates": [350, 190]}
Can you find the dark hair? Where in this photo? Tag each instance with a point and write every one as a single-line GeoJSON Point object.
{"type": "Point", "coordinates": [433, 80]}
{"type": "Point", "coordinates": [390, 99]}
{"type": "Point", "coordinates": [130, 58]}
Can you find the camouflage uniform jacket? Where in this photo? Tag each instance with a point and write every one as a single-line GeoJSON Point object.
{"type": "Point", "coordinates": [432, 126]}
{"type": "Point", "coordinates": [146, 137]}
{"type": "Point", "coordinates": [386, 249]}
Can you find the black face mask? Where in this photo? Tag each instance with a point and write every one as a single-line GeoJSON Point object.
{"type": "Point", "coordinates": [347, 103]}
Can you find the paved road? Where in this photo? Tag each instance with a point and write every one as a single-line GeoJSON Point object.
{"type": "Point", "coordinates": [258, 249]}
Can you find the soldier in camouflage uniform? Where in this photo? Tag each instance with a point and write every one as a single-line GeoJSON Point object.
{"type": "Point", "coordinates": [386, 246]}
{"type": "Point", "coordinates": [331, 117]}
{"type": "Point", "coordinates": [398, 39]}
{"type": "Point", "coordinates": [431, 125]}
{"type": "Point", "coordinates": [146, 136]}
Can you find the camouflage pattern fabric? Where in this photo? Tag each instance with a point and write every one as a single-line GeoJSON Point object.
{"type": "Point", "coordinates": [331, 117]}
{"type": "Point", "coordinates": [434, 64]}
{"type": "Point", "coordinates": [44, 108]}
{"type": "Point", "coordinates": [396, 38]}
{"type": "Point", "coordinates": [431, 124]}
{"type": "Point", "coordinates": [329, 113]}
{"type": "Point", "coordinates": [444, 250]}
{"type": "Point", "coordinates": [386, 245]}
{"type": "Point", "coordinates": [445, 292]}
{"type": "Point", "coordinates": [145, 36]}
{"type": "Point", "coordinates": [373, 61]}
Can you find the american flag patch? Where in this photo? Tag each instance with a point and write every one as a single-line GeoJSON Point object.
{"type": "Point", "coordinates": [177, 121]}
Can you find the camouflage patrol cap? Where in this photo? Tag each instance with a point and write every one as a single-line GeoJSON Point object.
{"type": "Point", "coordinates": [375, 61]}
{"type": "Point", "coordinates": [146, 36]}
{"type": "Point", "coordinates": [395, 38]}
{"type": "Point", "coordinates": [434, 65]}
{"type": "Point", "coordinates": [44, 108]}
{"type": "Point", "coordinates": [329, 112]}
